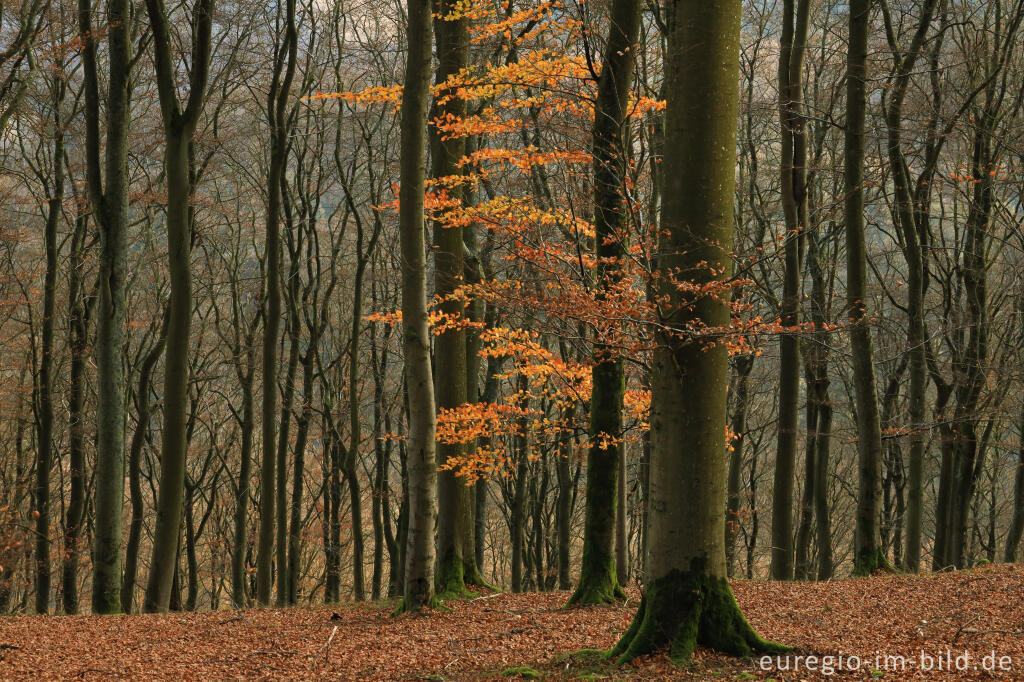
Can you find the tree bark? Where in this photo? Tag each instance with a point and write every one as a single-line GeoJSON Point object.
{"type": "Point", "coordinates": [420, 549]}
{"type": "Point", "coordinates": [794, 204]}
{"type": "Point", "coordinates": [277, 102]}
{"type": "Point", "coordinates": [179, 125]}
{"type": "Point", "coordinates": [598, 580]}
{"type": "Point", "coordinates": [108, 193]}
{"type": "Point", "coordinates": [688, 599]}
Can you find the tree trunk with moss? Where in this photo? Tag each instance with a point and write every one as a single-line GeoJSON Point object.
{"type": "Point", "coordinates": [598, 581]}
{"type": "Point", "coordinates": [422, 473]}
{"type": "Point", "coordinates": [688, 600]}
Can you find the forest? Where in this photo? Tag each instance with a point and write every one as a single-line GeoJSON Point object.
{"type": "Point", "coordinates": [471, 339]}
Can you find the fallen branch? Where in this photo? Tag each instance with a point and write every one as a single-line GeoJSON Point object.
{"type": "Point", "coordinates": [326, 648]}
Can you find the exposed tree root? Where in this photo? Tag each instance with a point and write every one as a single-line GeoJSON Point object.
{"type": "Point", "coordinates": [684, 609]}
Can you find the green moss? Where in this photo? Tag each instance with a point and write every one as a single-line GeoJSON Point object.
{"type": "Point", "coordinates": [405, 606]}
{"type": "Point", "coordinates": [523, 671]}
{"type": "Point", "coordinates": [449, 578]}
{"type": "Point", "coordinates": [684, 609]}
{"type": "Point", "coordinates": [472, 576]}
{"type": "Point", "coordinates": [598, 582]}
{"type": "Point", "coordinates": [872, 560]}
{"type": "Point", "coordinates": [582, 655]}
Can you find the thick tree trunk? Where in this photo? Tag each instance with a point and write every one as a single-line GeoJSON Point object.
{"type": "Point", "coordinates": [179, 325]}
{"type": "Point", "coordinates": [44, 383]}
{"type": "Point", "coordinates": [455, 498]}
{"type": "Point", "coordinates": [688, 599]}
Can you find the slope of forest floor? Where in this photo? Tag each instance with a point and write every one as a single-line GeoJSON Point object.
{"type": "Point", "coordinates": [980, 612]}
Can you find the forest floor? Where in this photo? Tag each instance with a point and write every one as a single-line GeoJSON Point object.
{"type": "Point", "coordinates": [977, 613]}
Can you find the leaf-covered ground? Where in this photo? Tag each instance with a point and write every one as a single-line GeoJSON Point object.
{"type": "Point", "coordinates": [979, 612]}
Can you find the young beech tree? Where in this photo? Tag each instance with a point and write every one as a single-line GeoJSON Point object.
{"type": "Point", "coordinates": [794, 205]}
{"type": "Point", "coordinates": [869, 554]}
{"type": "Point", "coordinates": [277, 107]}
{"type": "Point", "coordinates": [179, 125]}
{"type": "Point", "coordinates": [688, 599]}
{"type": "Point", "coordinates": [419, 557]}
{"type": "Point", "coordinates": [598, 576]}
{"type": "Point", "coordinates": [108, 182]}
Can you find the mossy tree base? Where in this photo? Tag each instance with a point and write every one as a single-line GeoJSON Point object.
{"type": "Point", "coordinates": [684, 609]}
{"type": "Point", "coordinates": [450, 578]}
{"type": "Point", "coordinates": [408, 606]}
{"type": "Point", "coordinates": [471, 575]}
{"type": "Point", "coordinates": [602, 590]}
{"type": "Point", "coordinates": [870, 561]}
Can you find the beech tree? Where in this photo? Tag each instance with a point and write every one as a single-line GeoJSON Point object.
{"type": "Point", "coordinates": [687, 599]}
{"type": "Point", "coordinates": [599, 581]}
{"type": "Point", "coordinates": [420, 547]}
{"type": "Point", "coordinates": [179, 126]}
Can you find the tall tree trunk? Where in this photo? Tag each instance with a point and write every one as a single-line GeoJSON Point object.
{"type": "Point", "coordinates": [277, 102]}
{"type": "Point", "coordinates": [78, 341]}
{"type": "Point", "coordinates": [517, 514]}
{"type": "Point", "coordinates": [355, 428]}
{"type": "Point", "coordinates": [298, 480]}
{"type": "Point", "coordinates": [741, 401]}
{"type": "Point", "coordinates": [284, 427]}
{"type": "Point", "coordinates": [598, 581]}
{"type": "Point", "coordinates": [240, 535]}
{"type": "Point", "coordinates": [794, 204]}
{"type": "Point", "coordinates": [802, 566]}
{"type": "Point", "coordinates": [688, 598]}
{"type": "Point", "coordinates": [356, 509]}
{"type": "Point", "coordinates": [179, 124]}
{"type": "Point", "coordinates": [911, 230]}
{"type": "Point", "coordinates": [420, 549]}
{"type": "Point", "coordinates": [621, 532]}
{"type": "Point", "coordinates": [1017, 523]}
{"type": "Point", "coordinates": [44, 383]}
{"type": "Point", "coordinates": [108, 193]}
{"type": "Point", "coordinates": [382, 532]}
{"type": "Point", "coordinates": [563, 504]}
{"type": "Point", "coordinates": [143, 410]}
{"type": "Point", "coordinates": [455, 498]}
{"type": "Point", "coordinates": [868, 552]}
